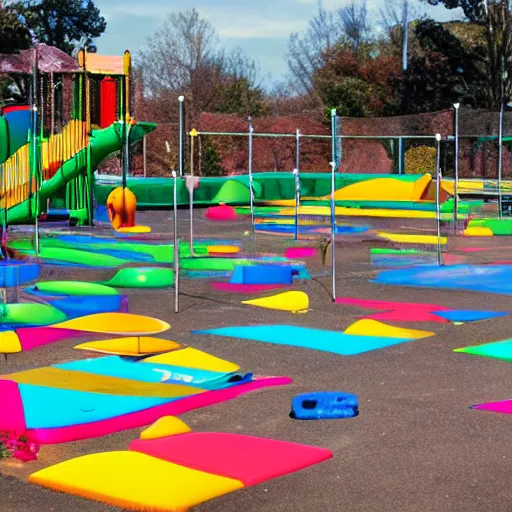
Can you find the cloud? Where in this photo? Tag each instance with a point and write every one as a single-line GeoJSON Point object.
{"type": "Point", "coordinates": [251, 25]}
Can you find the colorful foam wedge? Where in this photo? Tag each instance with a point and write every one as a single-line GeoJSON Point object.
{"type": "Point", "coordinates": [397, 311]}
{"type": "Point", "coordinates": [70, 288]}
{"type": "Point", "coordinates": [251, 460]}
{"type": "Point", "coordinates": [411, 239]}
{"type": "Point", "coordinates": [177, 472]}
{"type": "Point", "coordinates": [294, 301]}
{"type": "Point", "coordinates": [142, 277]}
{"type": "Point", "coordinates": [478, 231]}
{"type": "Point", "coordinates": [30, 314]}
{"type": "Point", "coordinates": [131, 346]}
{"type": "Point", "coordinates": [369, 327]}
{"type": "Point", "coordinates": [195, 359]}
{"type": "Point", "coordinates": [122, 324]}
{"type": "Point", "coordinates": [133, 369]}
{"type": "Point", "coordinates": [504, 407]}
{"type": "Point", "coordinates": [134, 229]}
{"type": "Point", "coordinates": [469, 315]}
{"type": "Point", "coordinates": [71, 380]}
{"type": "Point", "coordinates": [165, 427]}
{"type": "Point", "coordinates": [222, 213]}
{"type": "Point", "coordinates": [50, 415]}
{"type": "Point", "coordinates": [245, 288]}
{"type": "Point", "coordinates": [133, 480]}
{"type": "Point", "coordinates": [116, 323]}
{"type": "Point", "coordinates": [498, 350]}
{"type": "Point", "coordinates": [315, 339]}
{"type": "Point", "coordinates": [223, 249]}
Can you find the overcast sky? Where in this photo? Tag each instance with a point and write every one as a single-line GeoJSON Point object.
{"type": "Point", "coordinates": [260, 27]}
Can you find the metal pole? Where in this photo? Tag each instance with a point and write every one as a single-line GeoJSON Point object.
{"type": "Point", "coordinates": [192, 155]}
{"type": "Point", "coordinates": [297, 201]}
{"type": "Point", "coordinates": [456, 185]}
{"type": "Point", "coordinates": [191, 183]}
{"type": "Point", "coordinates": [500, 160]}
{"type": "Point", "coordinates": [333, 203]}
{"type": "Point", "coordinates": [400, 155]}
{"type": "Point", "coordinates": [181, 99]}
{"type": "Point", "coordinates": [52, 104]}
{"type": "Point", "coordinates": [34, 161]}
{"type": "Point", "coordinates": [297, 149]}
{"type": "Point", "coordinates": [438, 197]}
{"type": "Point", "coordinates": [339, 129]}
{"type": "Point", "coordinates": [406, 35]}
{"type": "Point", "coordinates": [144, 156]}
{"type": "Point", "coordinates": [126, 159]}
{"type": "Point", "coordinates": [251, 189]}
{"type": "Point", "coordinates": [176, 259]}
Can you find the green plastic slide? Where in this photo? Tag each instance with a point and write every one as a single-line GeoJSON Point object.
{"type": "Point", "coordinates": [75, 288]}
{"type": "Point", "coordinates": [102, 143]}
{"type": "Point", "coordinates": [142, 277]}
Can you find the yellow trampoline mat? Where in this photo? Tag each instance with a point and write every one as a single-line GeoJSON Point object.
{"type": "Point", "coordinates": [92, 383]}
{"type": "Point", "coordinates": [132, 346]}
{"type": "Point", "coordinates": [360, 212]}
{"type": "Point", "coordinates": [370, 327]}
{"type": "Point", "coordinates": [411, 239]}
{"type": "Point", "coordinates": [116, 323]}
{"type": "Point", "coordinates": [134, 481]}
{"type": "Point", "coordinates": [192, 358]}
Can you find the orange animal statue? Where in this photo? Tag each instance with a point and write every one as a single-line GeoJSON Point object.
{"type": "Point", "coordinates": [121, 206]}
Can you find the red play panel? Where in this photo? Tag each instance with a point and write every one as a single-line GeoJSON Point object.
{"type": "Point", "coordinates": [251, 460]}
{"type": "Point", "coordinates": [398, 311]}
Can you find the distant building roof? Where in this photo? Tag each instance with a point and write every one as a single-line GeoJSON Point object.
{"type": "Point", "coordinates": [50, 59]}
{"type": "Point", "coordinates": [102, 64]}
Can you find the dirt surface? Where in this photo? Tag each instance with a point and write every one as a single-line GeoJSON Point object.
{"type": "Point", "coordinates": [416, 445]}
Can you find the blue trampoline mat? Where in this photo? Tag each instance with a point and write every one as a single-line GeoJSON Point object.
{"type": "Point", "coordinates": [290, 228]}
{"type": "Point", "coordinates": [14, 273]}
{"type": "Point", "coordinates": [468, 315]}
{"type": "Point", "coordinates": [51, 407]}
{"type": "Point", "coordinates": [481, 278]}
{"type": "Point", "coordinates": [315, 339]}
{"type": "Point", "coordinates": [76, 306]}
{"type": "Point", "coordinates": [127, 368]}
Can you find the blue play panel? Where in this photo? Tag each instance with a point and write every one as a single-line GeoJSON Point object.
{"type": "Point", "coordinates": [127, 368]}
{"type": "Point", "coordinates": [308, 229]}
{"type": "Point", "coordinates": [315, 339]}
{"type": "Point", "coordinates": [51, 407]}
{"type": "Point", "coordinates": [480, 278]}
{"type": "Point", "coordinates": [262, 274]}
{"type": "Point", "coordinates": [468, 315]}
{"type": "Point", "coordinates": [15, 273]}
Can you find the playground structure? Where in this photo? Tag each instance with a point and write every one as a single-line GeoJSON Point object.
{"type": "Point", "coordinates": [48, 155]}
{"type": "Point", "coordinates": [141, 380]}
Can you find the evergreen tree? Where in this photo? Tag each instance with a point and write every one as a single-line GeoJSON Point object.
{"type": "Point", "coordinates": [211, 159]}
{"type": "Point", "coordinates": [14, 36]}
{"type": "Point", "coordinates": [62, 23]}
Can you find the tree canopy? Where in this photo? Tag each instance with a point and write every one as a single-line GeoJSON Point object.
{"type": "Point", "coordinates": [14, 35]}
{"type": "Point", "coordinates": [62, 23]}
{"type": "Point", "coordinates": [184, 57]}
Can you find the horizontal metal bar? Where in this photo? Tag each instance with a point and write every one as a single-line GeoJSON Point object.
{"type": "Point", "coordinates": [303, 135]}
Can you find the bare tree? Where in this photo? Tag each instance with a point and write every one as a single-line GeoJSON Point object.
{"type": "Point", "coordinates": [184, 57]}
{"type": "Point", "coordinates": [181, 57]}
{"type": "Point", "coordinates": [391, 19]}
{"type": "Point", "coordinates": [353, 19]}
{"type": "Point", "coordinates": [304, 55]}
{"type": "Point", "coordinates": [237, 64]}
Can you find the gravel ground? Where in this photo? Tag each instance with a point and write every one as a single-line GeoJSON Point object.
{"type": "Point", "coordinates": [416, 445]}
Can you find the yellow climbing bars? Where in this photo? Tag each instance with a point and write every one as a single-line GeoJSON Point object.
{"type": "Point", "coordinates": [55, 150]}
{"type": "Point", "coordinates": [15, 178]}
{"type": "Point", "coordinates": [61, 147]}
